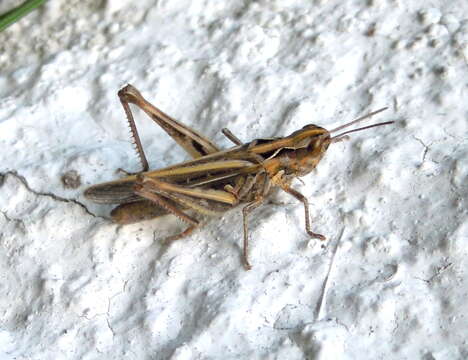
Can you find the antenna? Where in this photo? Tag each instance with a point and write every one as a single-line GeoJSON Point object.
{"type": "Point", "coordinates": [358, 120]}
{"type": "Point", "coordinates": [362, 128]}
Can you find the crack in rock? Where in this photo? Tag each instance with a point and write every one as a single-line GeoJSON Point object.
{"type": "Point", "coordinates": [23, 180]}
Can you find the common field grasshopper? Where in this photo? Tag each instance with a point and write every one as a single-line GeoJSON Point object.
{"type": "Point", "coordinates": [215, 180]}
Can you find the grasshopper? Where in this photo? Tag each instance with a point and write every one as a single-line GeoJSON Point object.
{"type": "Point", "coordinates": [216, 180]}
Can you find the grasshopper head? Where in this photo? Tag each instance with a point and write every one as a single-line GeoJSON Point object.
{"type": "Point", "coordinates": [313, 142]}
{"type": "Point", "coordinates": [305, 159]}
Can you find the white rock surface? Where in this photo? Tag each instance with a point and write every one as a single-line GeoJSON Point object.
{"type": "Point", "coordinates": [390, 283]}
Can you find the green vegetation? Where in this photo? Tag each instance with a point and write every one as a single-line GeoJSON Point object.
{"type": "Point", "coordinates": [12, 16]}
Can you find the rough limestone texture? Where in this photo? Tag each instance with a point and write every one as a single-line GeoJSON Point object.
{"type": "Point", "coordinates": [390, 282]}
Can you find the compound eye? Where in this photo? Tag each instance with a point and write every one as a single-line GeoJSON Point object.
{"type": "Point", "coordinates": [317, 142]}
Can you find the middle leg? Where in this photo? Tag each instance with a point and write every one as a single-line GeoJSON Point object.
{"type": "Point", "coordinates": [305, 202]}
{"type": "Point", "coordinates": [245, 212]}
